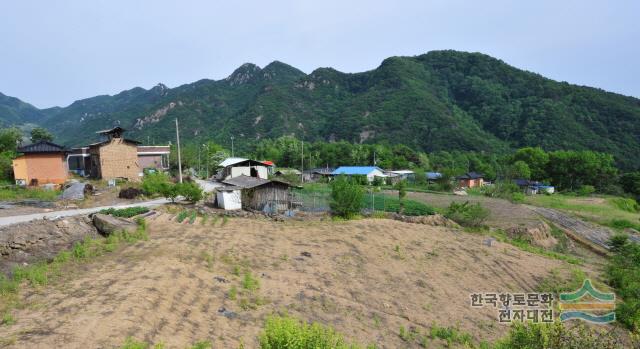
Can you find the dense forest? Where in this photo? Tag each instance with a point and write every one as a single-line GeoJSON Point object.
{"type": "Point", "coordinates": [445, 101]}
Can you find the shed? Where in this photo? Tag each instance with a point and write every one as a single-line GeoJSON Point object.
{"type": "Point", "coordinates": [262, 194]}
{"type": "Point", "coordinates": [229, 197]}
{"type": "Point", "coordinates": [115, 157]}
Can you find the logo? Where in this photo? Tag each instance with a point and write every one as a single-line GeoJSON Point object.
{"type": "Point", "coordinates": [598, 308]}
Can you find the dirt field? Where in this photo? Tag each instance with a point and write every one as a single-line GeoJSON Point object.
{"type": "Point", "coordinates": [504, 214]}
{"type": "Point", "coordinates": [172, 287]}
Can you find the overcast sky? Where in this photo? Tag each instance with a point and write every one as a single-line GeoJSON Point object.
{"type": "Point", "coordinates": [55, 52]}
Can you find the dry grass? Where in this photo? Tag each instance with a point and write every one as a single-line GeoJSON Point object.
{"type": "Point", "coordinates": [366, 278]}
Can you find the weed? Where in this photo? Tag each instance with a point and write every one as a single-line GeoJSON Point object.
{"type": "Point", "coordinates": [250, 283]}
{"type": "Point", "coordinates": [215, 220]}
{"type": "Point", "coordinates": [192, 217]}
{"type": "Point", "coordinates": [8, 319]}
{"type": "Point", "coordinates": [225, 220]}
{"type": "Point", "coordinates": [182, 215]}
{"type": "Point", "coordinates": [202, 345]}
{"type": "Point", "coordinates": [236, 270]}
{"type": "Point", "coordinates": [203, 221]}
{"type": "Point", "coordinates": [287, 332]}
{"type": "Point", "coordinates": [233, 293]}
{"type": "Point", "coordinates": [207, 258]}
{"type": "Point", "coordinates": [451, 335]}
{"type": "Point", "coordinates": [131, 343]}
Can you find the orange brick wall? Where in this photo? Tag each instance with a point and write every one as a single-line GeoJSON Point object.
{"type": "Point", "coordinates": [46, 168]}
{"type": "Point", "coordinates": [119, 160]}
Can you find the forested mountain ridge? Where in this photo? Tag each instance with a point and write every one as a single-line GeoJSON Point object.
{"type": "Point", "coordinates": [442, 100]}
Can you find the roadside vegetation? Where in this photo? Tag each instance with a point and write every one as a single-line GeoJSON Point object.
{"type": "Point", "coordinates": [11, 193]}
{"type": "Point", "coordinates": [623, 272]}
{"type": "Point", "coordinates": [160, 184]}
{"type": "Point", "coordinates": [125, 212]}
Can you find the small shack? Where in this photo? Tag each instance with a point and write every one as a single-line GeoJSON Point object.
{"type": "Point", "coordinates": [262, 194]}
{"type": "Point", "coordinates": [40, 163]}
{"type": "Point", "coordinates": [229, 197]}
{"type": "Point", "coordinates": [371, 172]}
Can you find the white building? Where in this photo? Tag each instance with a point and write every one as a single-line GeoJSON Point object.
{"type": "Point", "coordinates": [236, 167]}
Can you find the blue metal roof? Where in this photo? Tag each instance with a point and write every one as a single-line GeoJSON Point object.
{"type": "Point", "coordinates": [355, 170]}
{"type": "Point", "coordinates": [433, 175]}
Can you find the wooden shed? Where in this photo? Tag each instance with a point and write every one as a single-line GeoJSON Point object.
{"type": "Point", "coordinates": [262, 194]}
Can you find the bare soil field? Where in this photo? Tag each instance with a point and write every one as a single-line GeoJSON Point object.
{"type": "Point", "coordinates": [366, 278]}
{"type": "Point", "coordinates": [504, 214]}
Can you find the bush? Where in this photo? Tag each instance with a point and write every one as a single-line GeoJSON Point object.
{"type": "Point", "coordinates": [284, 332]}
{"type": "Point", "coordinates": [557, 336]}
{"type": "Point", "coordinates": [626, 204]}
{"type": "Point", "coordinates": [586, 190]}
{"type": "Point", "coordinates": [466, 214]}
{"type": "Point", "coordinates": [155, 183]}
{"type": "Point", "coordinates": [190, 190]}
{"type": "Point", "coordinates": [623, 272]}
{"type": "Point", "coordinates": [623, 224]}
{"type": "Point", "coordinates": [346, 197]}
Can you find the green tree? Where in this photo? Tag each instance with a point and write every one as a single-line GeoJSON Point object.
{"type": "Point", "coordinates": [569, 170]}
{"type": "Point", "coordinates": [537, 160]}
{"type": "Point", "coordinates": [346, 197]}
{"type": "Point", "coordinates": [10, 138]}
{"type": "Point", "coordinates": [41, 134]}
{"type": "Point", "coordinates": [630, 183]}
{"type": "Point", "coordinates": [519, 169]}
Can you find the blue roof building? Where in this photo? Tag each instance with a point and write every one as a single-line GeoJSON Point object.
{"type": "Point", "coordinates": [369, 171]}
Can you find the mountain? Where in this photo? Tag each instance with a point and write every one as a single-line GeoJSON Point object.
{"type": "Point", "coordinates": [14, 111]}
{"type": "Point", "coordinates": [442, 100]}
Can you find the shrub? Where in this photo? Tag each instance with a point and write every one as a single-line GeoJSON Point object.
{"type": "Point", "coordinates": [190, 190]}
{"type": "Point", "coordinates": [623, 224]}
{"type": "Point", "coordinates": [586, 190]}
{"type": "Point", "coordinates": [282, 332]}
{"type": "Point", "coordinates": [346, 197]}
{"type": "Point", "coordinates": [557, 336]}
{"type": "Point", "coordinates": [623, 272]}
{"type": "Point", "coordinates": [170, 191]}
{"type": "Point", "coordinates": [625, 204]}
{"type": "Point", "coordinates": [155, 183]}
{"type": "Point", "coordinates": [466, 214]}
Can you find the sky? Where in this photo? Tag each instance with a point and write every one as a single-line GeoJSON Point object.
{"type": "Point", "coordinates": [55, 52]}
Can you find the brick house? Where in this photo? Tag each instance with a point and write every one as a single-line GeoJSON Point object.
{"type": "Point", "coordinates": [40, 163]}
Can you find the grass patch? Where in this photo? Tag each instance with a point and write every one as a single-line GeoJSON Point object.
{"type": "Point", "coordinates": [132, 343]}
{"type": "Point", "coordinates": [249, 282]}
{"type": "Point", "coordinates": [192, 217]}
{"type": "Point", "coordinates": [125, 212]}
{"type": "Point", "coordinates": [18, 193]}
{"type": "Point", "coordinates": [286, 332]}
{"type": "Point", "coordinates": [557, 284]}
{"type": "Point", "coordinates": [387, 203]}
{"type": "Point", "coordinates": [8, 319]}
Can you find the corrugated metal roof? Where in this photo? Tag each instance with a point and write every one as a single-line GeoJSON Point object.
{"type": "Point", "coordinates": [41, 147]}
{"type": "Point", "coordinates": [231, 161]}
{"type": "Point", "coordinates": [247, 182]}
{"type": "Point", "coordinates": [433, 175]}
{"type": "Point", "coordinates": [355, 170]}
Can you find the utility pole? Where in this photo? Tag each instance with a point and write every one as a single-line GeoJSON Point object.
{"type": "Point", "coordinates": [207, 159]}
{"type": "Point", "coordinates": [199, 163]}
{"type": "Point", "coordinates": [232, 146]}
{"type": "Point", "coordinates": [179, 160]}
{"type": "Point", "coordinates": [302, 165]}
{"type": "Point", "coordinates": [374, 158]}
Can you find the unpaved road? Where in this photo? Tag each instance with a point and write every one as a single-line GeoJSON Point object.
{"type": "Point", "coordinates": [592, 233]}
{"type": "Point", "coordinates": [66, 213]}
{"type": "Point", "coordinates": [351, 277]}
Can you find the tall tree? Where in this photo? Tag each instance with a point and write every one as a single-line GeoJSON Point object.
{"type": "Point", "coordinates": [41, 134]}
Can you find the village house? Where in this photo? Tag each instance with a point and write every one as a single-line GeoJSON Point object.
{"type": "Point", "coordinates": [40, 163]}
{"type": "Point", "coordinates": [316, 174]}
{"type": "Point", "coordinates": [235, 167]}
{"type": "Point", "coordinates": [370, 172]}
{"type": "Point", "coordinates": [470, 180]}
{"type": "Point", "coordinates": [114, 158]}
{"type": "Point", "coordinates": [432, 177]}
{"type": "Point", "coordinates": [149, 157]}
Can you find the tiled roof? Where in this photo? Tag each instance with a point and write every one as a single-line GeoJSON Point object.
{"type": "Point", "coordinates": [42, 147]}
